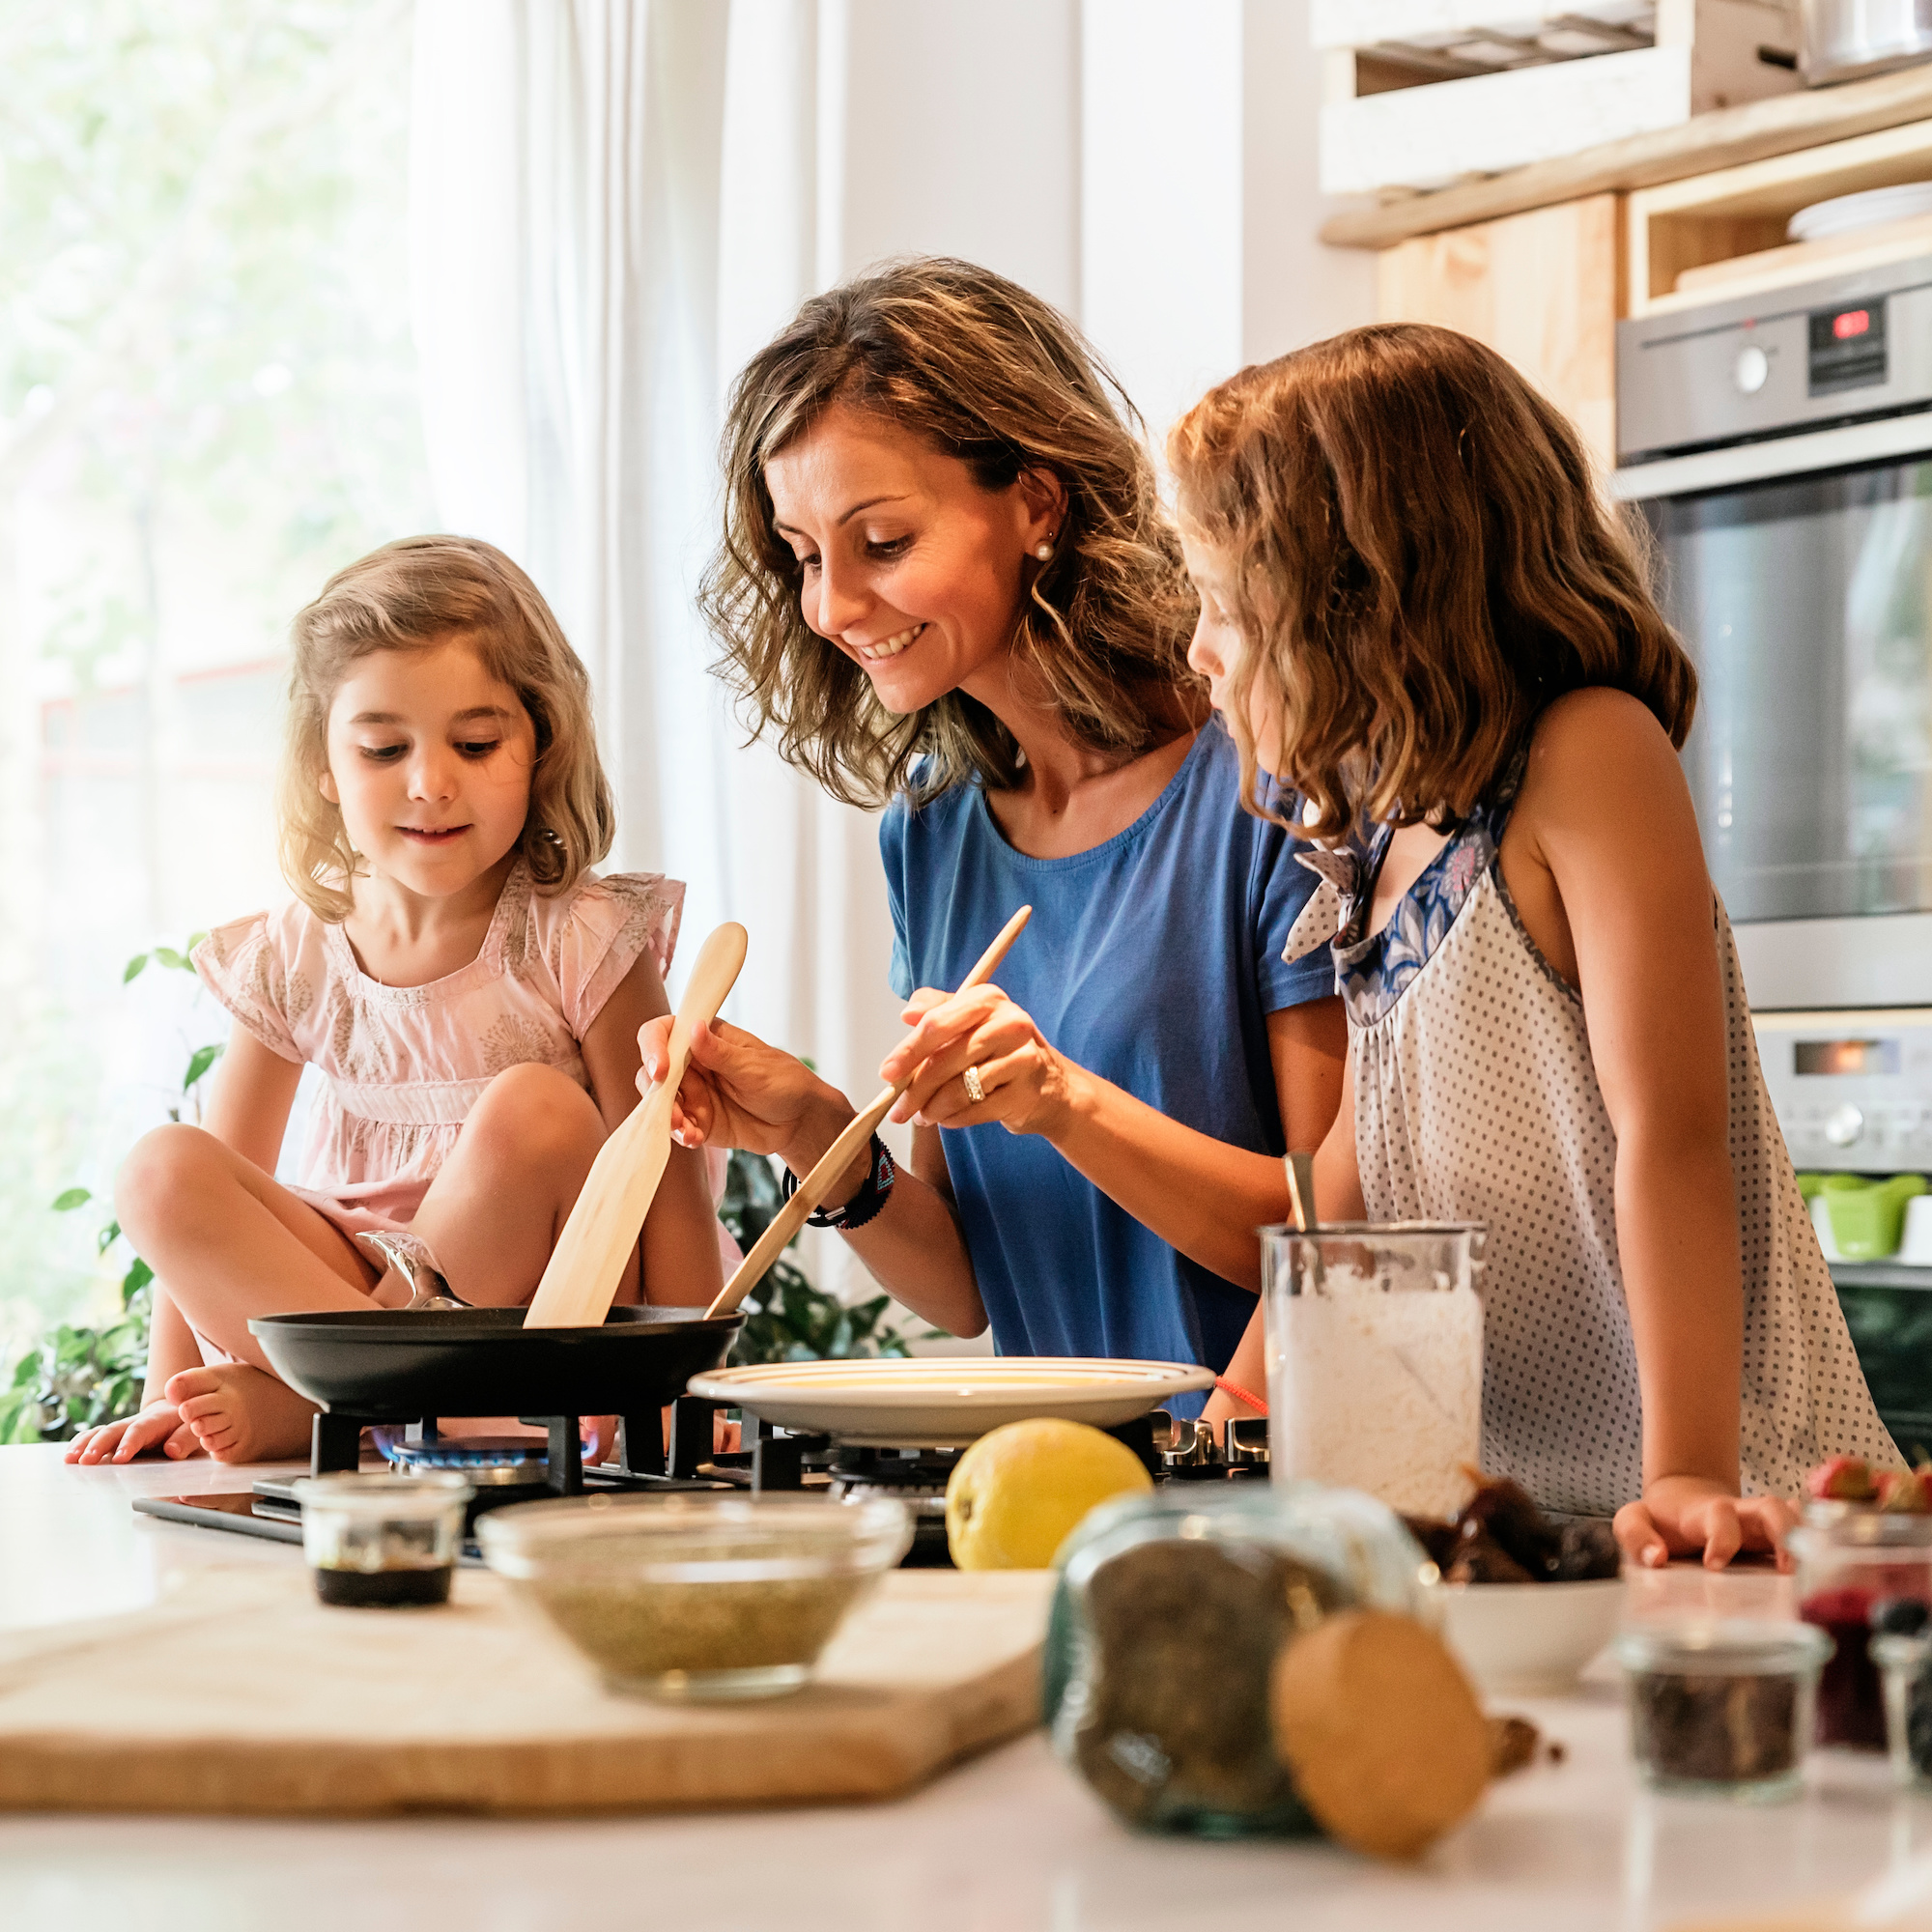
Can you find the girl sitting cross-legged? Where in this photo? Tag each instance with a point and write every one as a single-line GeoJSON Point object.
{"type": "Point", "coordinates": [468, 988]}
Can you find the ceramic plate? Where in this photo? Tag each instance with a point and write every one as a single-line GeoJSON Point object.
{"type": "Point", "coordinates": [1848, 213]}
{"type": "Point", "coordinates": [941, 1402]}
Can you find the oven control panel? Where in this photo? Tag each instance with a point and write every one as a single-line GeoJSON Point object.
{"type": "Point", "coordinates": [1774, 363]}
{"type": "Point", "coordinates": [1853, 1091]}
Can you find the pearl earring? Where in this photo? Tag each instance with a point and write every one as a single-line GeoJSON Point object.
{"type": "Point", "coordinates": [1044, 553]}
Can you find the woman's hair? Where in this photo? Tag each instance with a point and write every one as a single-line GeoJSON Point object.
{"type": "Point", "coordinates": [409, 596]}
{"type": "Point", "coordinates": [1420, 564]}
{"type": "Point", "coordinates": [976, 367]}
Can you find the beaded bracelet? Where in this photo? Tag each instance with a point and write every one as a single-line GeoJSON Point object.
{"type": "Point", "coordinates": [1241, 1394]}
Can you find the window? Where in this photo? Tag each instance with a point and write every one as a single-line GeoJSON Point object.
{"type": "Point", "coordinates": [207, 406]}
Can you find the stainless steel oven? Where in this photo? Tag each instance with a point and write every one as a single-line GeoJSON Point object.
{"type": "Point", "coordinates": [1780, 447]}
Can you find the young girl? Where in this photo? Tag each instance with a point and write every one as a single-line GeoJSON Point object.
{"type": "Point", "coordinates": [1416, 613]}
{"type": "Point", "coordinates": [471, 991]}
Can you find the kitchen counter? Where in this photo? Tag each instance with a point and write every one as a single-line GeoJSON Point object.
{"type": "Point", "coordinates": [1010, 1843]}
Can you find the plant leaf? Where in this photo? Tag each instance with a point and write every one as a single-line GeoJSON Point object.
{"type": "Point", "coordinates": [133, 967]}
{"type": "Point", "coordinates": [203, 1059]}
{"type": "Point", "coordinates": [168, 956]}
{"type": "Point", "coordinates": [107, 1236]}
{"type": "Point", "coordinates": [73, 1197]}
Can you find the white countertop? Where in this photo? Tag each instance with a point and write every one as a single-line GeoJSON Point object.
{"type": "Point", "coordinates": [1010, 1843]}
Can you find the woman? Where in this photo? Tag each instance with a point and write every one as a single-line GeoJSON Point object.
{"type": "Point", "coordinates": [946, 586]}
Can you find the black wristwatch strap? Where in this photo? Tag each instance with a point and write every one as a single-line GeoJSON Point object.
{"type": "Point", "coordinates": [864, 1205]}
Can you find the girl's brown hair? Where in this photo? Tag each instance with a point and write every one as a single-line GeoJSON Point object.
{"type": "Point", "coordinates": [408, 596]}
{"type": "Point", "coordinates": [981, 369]}
{"type": "Point", "coordinates": [1421, 564]}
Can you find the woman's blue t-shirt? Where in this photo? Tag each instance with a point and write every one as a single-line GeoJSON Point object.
{"type": "Point", "coordinates": [1152, 960]}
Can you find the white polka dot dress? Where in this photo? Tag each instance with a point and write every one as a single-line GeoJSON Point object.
{"type": "Point", "coordinates": [1476, 1099]}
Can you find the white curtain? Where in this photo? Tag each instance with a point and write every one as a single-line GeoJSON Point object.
{"type": "Point", "coordinates": [613, 204]}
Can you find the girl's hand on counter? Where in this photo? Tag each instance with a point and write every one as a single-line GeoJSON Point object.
{"type": "Point", "coordinates": [1681, 1516]}
{"type": "Point", "coordinates": [1030, 1089]}
{"type": "Point", "coordinates": [159, 1425]}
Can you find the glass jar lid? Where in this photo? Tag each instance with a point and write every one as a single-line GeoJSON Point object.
{"type": "Point", "coordinates": [1725, 1648]}
{"type": "Point", "coordinates": [392, 1498]}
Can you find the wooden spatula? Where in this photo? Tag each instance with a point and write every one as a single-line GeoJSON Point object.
{"type": "Point", "coordinates": [579, 1283]}
{"type": "Point", "coordinates": [817, 1184]}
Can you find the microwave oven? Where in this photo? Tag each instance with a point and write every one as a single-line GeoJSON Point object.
{"type": "Point", "coordinates": [1779, 447]}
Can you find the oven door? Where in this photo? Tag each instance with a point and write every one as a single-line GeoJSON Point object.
{"type": "Point", "coordinates": [1798, 573]}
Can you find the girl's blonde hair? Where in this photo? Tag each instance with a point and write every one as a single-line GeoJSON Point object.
{"type": "Point", "coordinates": [1421, 564]}
{"type": "Point", "coordinates": [980, 369]}
{"type": "Point", "coordinates": [411, 595]}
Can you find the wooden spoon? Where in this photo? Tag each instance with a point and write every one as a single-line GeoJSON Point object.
{"type": "Point", "coordinates": [581, 1282]}
{"type": "Point", "coordinates": [837, 1158]}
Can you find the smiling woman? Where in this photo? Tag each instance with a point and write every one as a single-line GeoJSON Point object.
{"type": "Point", "coordinates": [946, 586]}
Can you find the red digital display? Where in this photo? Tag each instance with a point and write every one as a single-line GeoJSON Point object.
{"type": "Point", "coordinates": [1853, 321]}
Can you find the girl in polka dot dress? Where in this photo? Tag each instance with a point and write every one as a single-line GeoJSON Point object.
{"type": "Point", "coordinates": [1415, 612]}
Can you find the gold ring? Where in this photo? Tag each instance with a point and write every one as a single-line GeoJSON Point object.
{"type": "Point", "coordinates": [975, 1091]}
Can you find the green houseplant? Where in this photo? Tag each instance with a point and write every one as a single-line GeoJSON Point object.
{"type": "Point", "coordinates": [76, 1377]}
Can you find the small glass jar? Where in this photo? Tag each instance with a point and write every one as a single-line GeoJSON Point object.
{"type": "Point", "coordinates": [1722, 1710]}
{"type": "Point", "coordinates": [1905, 1672]}
{"type": "Point", "coordinates": [1375, 1347]}
{"type": "Point", "coordinates": [383, 1542]}
{"type": "Point", "coordinates": [1849, 1559]}
{"type": "Point", "coordinates": [1170, 1611]}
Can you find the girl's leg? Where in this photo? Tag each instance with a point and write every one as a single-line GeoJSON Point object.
{"type": "Point", "coordinates": [230, 1241]}
{"type": "Point", "coordinates": [494, 1213]}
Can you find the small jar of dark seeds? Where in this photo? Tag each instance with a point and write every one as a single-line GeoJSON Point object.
{"type": "Point", "coordinates": [1722, 1710]}
{"type": "Point", "coordinates": [383, 1542]}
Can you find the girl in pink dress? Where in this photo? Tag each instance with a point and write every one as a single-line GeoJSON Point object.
{"type": "Point", "coordinates": [468, 989]}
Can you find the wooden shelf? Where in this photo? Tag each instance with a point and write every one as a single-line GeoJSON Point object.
{"type": "Point", "coordinates": [1729, 138]}
{"type": "Point", "coordinates": [1726, 230]}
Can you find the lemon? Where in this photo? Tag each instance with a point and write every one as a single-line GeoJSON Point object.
{"type": "Point", "coordinates": [1018, 1493]}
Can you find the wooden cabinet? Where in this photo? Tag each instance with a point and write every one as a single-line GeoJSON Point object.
{"type": "Point", "coordinates": [1544, 289]}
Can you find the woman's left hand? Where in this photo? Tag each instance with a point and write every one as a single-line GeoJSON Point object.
{"type": "Point", "coordinates": [1680, 1516]}
{"type": "Point", "coordinates": [1029, 1087]}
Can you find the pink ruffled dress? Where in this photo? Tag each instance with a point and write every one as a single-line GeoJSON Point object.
{"type": "Point", "coordinates": [402, 1066]}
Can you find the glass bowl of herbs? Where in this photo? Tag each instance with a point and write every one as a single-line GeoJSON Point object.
{"type": "Point", "coordinates": [691, 1598]}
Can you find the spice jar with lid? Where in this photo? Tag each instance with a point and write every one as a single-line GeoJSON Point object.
{"type": "Point", "coordinates": [1171, 1611]}
{"type": "Point", "coordinates": [1849, 1559]}
{"type": "Point", "coordinates": [1723, 1709]}
{"type": "Point", "coordinates": [383, 1542]}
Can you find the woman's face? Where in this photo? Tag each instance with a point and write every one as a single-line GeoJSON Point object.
{"type": "Point", "coordinates": [909, 567]}
{"type": "Point", "coordinates": [1218, 647]}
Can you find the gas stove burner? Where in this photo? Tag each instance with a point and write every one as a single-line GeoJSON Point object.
{"type": "Point", "coordinates": [489, 1462]}
{"type": "Point", "coordinates": [899, 1472]}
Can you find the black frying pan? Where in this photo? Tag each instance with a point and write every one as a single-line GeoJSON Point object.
{"type": "Point", "coordinates": [398, 1364]}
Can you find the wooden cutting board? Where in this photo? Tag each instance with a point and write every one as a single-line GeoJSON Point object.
{"type": "Point", "coordinates": [242, 1694]}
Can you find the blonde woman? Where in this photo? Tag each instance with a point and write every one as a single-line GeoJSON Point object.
{"type": "Point", "coordinates": [468, 988]}
{"type": "Point", "coordinates": [946, 588]}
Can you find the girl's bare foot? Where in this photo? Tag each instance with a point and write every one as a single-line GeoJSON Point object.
{"type": "Point", "coordinates": [239, 1414]}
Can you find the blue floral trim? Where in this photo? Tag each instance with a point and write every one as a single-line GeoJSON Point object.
{"type": "Point", "coordinates": [1371, 972]}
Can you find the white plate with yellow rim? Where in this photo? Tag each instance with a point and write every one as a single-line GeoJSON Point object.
{"type": "Point", "coordinates": [942, 1402]}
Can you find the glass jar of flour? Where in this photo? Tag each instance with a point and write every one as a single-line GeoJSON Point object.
{"type": "Point", "coordinates": [1375, 1348]}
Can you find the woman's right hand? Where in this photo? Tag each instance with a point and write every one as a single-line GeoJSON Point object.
{"type": "Point", "coordinates": [159, 1425]}
{"type": "Point", "coordinates": [739, 1092]}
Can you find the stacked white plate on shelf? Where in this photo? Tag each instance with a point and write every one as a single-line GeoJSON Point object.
{"type": "Point", "coordinates": [1853, 213]}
